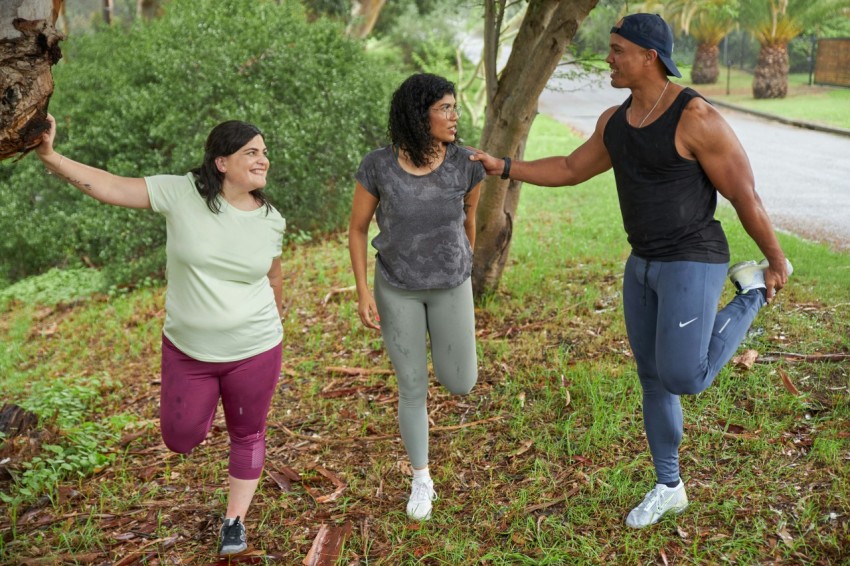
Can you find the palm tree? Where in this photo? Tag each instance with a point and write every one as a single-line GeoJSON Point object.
{"type": "Point", "coordinates": [709, 27]}
{"type": "Point", "coordinates": [774, 23]}
{"type": "Point", "coordinates": [708, 21]}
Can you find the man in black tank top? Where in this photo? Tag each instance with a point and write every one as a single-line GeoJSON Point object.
{"type": "Point", "coordinates": [671, 152]}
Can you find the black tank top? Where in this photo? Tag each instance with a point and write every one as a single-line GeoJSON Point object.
{"type": "Point", "coordinates": [667, 201]}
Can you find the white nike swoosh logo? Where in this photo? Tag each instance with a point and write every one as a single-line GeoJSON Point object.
{"type": "Point", "coordinates": [684, 324]}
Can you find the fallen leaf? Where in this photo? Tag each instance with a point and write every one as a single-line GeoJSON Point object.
{"type": "Point", "coordinates": [786, 381]}
{"type": "Point", "coordinates": [327, 545]}
{"type": "Point", "coordinates": [732, 428]}
{"type": "Point", "coordinates": [289, 472]}
{"type": "Point", "coordinates": [281, 480]}
{"type": "Point", "coordinates": [335, 479]}
{"type": "Point", "coordinates": [523, 447]}
{"type": "Point", "coordinates": [785, 536]}
{"type": "Point", "coordinates": [747, 359]}
{"type": "Point", "coordinates": [333, 292]}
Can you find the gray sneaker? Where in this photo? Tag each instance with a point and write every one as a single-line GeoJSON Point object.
{"type": "Point", "coordinates": [749, 275]}
{"type": "Point", "coordinates": [660, 500]}
{"type": "Point", "coordinates": [233, 537]}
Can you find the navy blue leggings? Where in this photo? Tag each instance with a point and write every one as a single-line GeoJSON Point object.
{"type": "Point", "coordinates": [680, 342]}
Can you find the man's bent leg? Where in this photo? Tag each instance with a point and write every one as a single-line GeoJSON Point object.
{"type": "Point", "coordinates": [694, 341]}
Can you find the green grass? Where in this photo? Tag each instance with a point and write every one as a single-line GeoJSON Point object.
{"type": "Point", "coordinates": [825, 105]}
{"type": "Point", "coordinates": [555, 456]}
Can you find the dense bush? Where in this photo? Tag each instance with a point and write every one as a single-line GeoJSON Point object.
{"type": "Point", "coordinates": [141, 102]}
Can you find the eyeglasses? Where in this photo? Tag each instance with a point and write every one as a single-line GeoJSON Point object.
{"type": "Point", "coordinates": [447, 110]}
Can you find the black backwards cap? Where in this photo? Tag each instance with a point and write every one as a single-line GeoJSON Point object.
{"type": "Point", "coordinates": [650, 31]}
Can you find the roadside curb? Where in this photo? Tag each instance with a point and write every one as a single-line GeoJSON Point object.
{"type": "Point", "coordinates": [788, 121]}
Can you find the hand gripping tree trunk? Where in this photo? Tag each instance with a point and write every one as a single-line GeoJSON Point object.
{"type": "Point", "coordinates": [28, 48]}
{"type": "Point", "coordinates": [546, 30]}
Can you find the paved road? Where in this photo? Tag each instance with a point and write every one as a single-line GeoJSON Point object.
{"type": "Point", "coordinates": [803, 176]}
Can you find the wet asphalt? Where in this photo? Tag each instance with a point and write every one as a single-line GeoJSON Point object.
{"type": "Point", "coordinates": [802, 175]}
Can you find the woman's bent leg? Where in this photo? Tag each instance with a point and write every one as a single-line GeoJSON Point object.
{"type": "Point", "coordinates": [451, 326]}
{"type": "Point", "coordinates": [188, 399]}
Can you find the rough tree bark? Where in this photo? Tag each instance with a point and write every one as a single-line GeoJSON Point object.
{"type": "Point", "coordinates": [543, 37]}
{"type": "Point", "coordinates": [29, 46]}
{"type": "Point", "coordinates": [364, 15]}
{"type": "Point", "coordinates": [770, 78]}
{"type": "Point", "coordinates": [108, 10]}
{"type": "Point", "coordinates": [706, 69]}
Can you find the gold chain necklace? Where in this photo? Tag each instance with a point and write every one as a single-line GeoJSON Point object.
{"type": "Point", "coordinates": [654, 106]}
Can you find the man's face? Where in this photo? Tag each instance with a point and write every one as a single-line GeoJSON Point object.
{"type": "Point", "coordinates": [626, 60]}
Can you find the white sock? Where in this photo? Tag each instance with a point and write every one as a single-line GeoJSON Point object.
{"type": "Point", "coordinates": [422, 474]}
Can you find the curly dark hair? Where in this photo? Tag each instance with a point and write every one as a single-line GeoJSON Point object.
{"type": "Point", "coordinates": [225, 139]}
{"type": "Point", "coordinates": [409, 126]}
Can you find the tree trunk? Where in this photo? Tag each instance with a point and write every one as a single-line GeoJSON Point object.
{"type": "Point", "coordinates": [546, 30]}
{"type": "Point", "coordinates": [770, 79]}
{"type": "Point", "coordinates": [29, 46]}
{"type": "Point", "coordinates": [108, 10]}
{"type": "Point", "coordinates": [364, 15]}
{"type": "Point", "coordinates": [148, 10]}
{"type": "Point", "coordinates": [706, 69]}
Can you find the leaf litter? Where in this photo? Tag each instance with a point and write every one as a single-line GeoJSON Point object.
{"type": "Point", "coordinates": [336, 474]}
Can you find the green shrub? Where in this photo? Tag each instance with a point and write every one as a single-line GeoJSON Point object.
{"type": "Point", "coordinates": [53, 287]}
{"type": "Point", "coordinates": [140, 101]}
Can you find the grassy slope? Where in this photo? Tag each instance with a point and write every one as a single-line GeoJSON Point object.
{"type": "Point", "coordinates": [829, 106]}
{"type": "Point", "coordinates": [546, 455]}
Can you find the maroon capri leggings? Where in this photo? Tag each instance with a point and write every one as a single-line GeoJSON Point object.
{"type": "Point", "coordinates": [189, 398]}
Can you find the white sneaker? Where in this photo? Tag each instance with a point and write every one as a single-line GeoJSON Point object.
{"type": "Point", "coordinates": [658, 502]}
{"type": "Point", "coordinates": [421, 495]}
{"type": "Point", "coordinates": [749, 275]}
{"type": "Point", "coordinates": [764, 264]}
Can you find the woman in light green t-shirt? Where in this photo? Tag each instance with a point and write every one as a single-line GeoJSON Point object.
{"type": "Point", "coordinates": [222, 334]}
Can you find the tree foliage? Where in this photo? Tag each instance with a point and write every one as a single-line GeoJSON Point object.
{"type": "Point", "coordinates": [774, 23]}
{"type": "Point", "coordinates": [141, 102]}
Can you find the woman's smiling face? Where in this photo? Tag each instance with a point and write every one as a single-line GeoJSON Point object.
{"type": "Point", "coordinates": [246, 168]}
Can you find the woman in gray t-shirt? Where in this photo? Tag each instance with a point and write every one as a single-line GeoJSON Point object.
{"type": "Point", "coordinates": [423, 189]}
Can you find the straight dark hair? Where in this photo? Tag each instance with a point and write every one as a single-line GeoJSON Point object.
{"type": "Point", "coordinates": [224, 140]}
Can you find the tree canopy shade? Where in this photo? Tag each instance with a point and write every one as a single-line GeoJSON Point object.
{"type": "Point", "coordinates": [29, 47]}
{"type": "Point", "coordinates": [512, 95]}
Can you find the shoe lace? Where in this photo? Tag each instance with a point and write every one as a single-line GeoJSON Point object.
{"type": "Point", "coordinates": [234, 531]}
{"type": "Point", "coordinates": [653, 499]}
{"type": "Point", "coordinates": [422, 491]}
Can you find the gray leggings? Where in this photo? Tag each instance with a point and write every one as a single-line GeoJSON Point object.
{"type": "Point", "coordinates": [680, 341]}
{"type": "Point", "coordinates": [407, 319]}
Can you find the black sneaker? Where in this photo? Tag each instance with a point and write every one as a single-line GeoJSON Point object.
{"type": "Point", "coordinates": [233, 539]}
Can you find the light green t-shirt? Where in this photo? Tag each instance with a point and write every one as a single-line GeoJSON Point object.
{"type": "Point", "coordinates": [219, 304]}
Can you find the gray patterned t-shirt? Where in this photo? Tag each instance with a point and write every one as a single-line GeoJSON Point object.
{"type": "Point", "coordinates": [422, 243]}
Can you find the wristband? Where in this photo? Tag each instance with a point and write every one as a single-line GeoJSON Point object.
{"type": "Point", "coordinates": [506, 172]}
